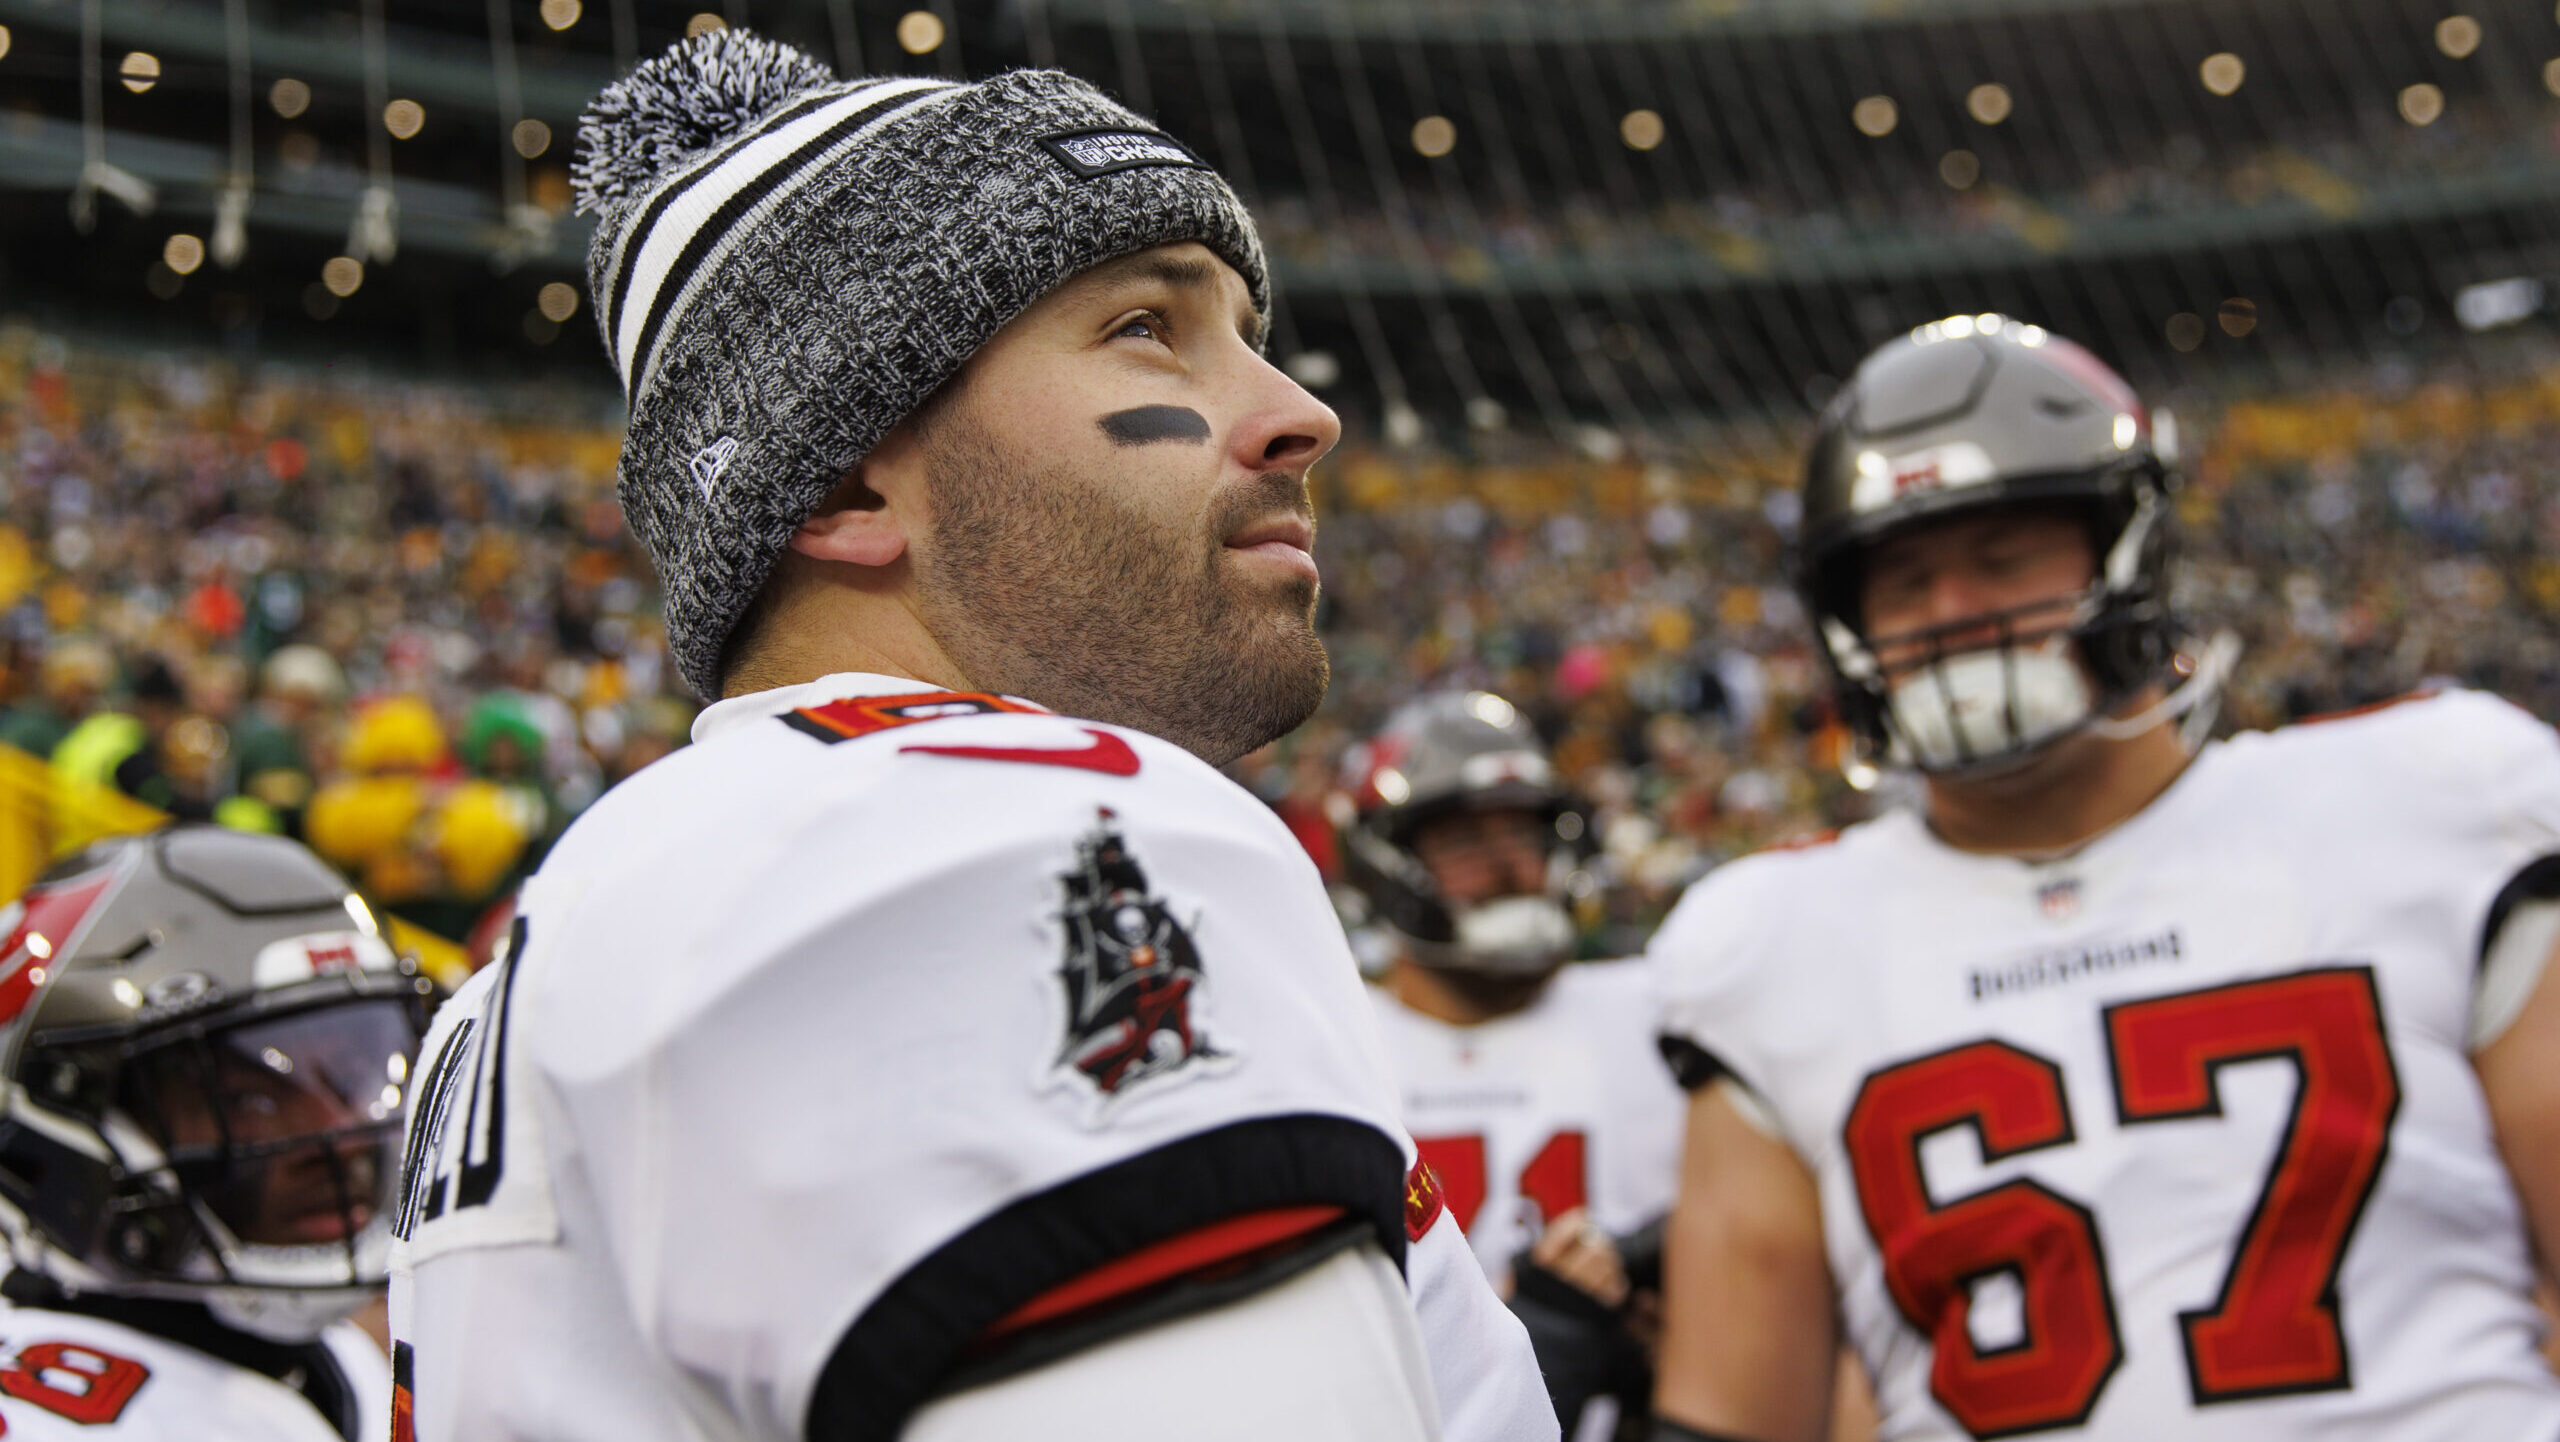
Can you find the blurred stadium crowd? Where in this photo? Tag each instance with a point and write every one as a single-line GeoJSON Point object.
{"type": "Point", "coordinates": [2330, 169]}
{"type": "Point", "coordinates": [401, 619]}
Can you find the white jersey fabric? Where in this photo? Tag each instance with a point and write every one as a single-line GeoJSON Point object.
{"type": "Point", "coordinates": [66, 1375]}
{"type": "Point", "coordinates": [1559, 1105]}
{"type": "Point", "coordinates": [2178, 1136]}
{"type": "Point", "coordinates": [831, 1043]}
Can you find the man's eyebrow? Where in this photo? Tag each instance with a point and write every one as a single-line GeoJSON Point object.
{"type": "Point", "coordinates": [1175, 273]}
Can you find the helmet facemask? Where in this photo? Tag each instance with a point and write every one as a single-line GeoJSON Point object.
{"type": "Point", "coordinates": [1987, 693]}
{"type": "Point", "coordinates": [1958, 418]}
{"type": "Point", "coordinates": [201, 1085]}
{"type": "Point", "coordinates": [258, 1156]}
{"type": "Point", "coordinates": [1463, 755]}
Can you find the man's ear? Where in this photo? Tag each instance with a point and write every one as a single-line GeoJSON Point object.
{"type": "Point", "coordinates": [852, 526]}
{"type": "Point", "coordinates": [863, 521]}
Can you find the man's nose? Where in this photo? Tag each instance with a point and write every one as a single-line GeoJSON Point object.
{"type": "Point", "coordinates": [1528, 868]}
{"type": "Point", "coordinates": [1953, 597]}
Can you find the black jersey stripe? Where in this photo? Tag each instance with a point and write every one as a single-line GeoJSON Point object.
{"type": "Point", "coordinates": [913, 1341]}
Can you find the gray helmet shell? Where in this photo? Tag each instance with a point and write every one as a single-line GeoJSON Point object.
{"type": "Point", "coordinates": [1438, 755]}
{"type": "Point", "coordinates": [1966, 414]}
{"type": "Point", "coordinates": [140, 954]}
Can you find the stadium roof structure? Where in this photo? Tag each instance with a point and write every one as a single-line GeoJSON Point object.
{"type": "Point", "coordinates": [1483, 214]}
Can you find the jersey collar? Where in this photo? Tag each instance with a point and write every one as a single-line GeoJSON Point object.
{"type": "Point", "coordinates": [737, 711]}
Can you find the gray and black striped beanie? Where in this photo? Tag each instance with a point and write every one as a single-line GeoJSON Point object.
{"type": "Point", "coordinates": [787, 264]}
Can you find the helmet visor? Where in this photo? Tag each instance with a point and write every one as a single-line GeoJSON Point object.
{"type": "Point", "coordinates": [283, 1129]}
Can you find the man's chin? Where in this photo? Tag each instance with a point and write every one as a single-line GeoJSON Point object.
{"type": "Point", "coordinates": [1265, 686]}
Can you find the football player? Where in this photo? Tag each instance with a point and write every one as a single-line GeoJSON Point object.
{"type": "Point", "coordinates": [1530, 1086]}
{"type": "Point", "coordinates": [2129, 1088]}
{"type": "Point", "coordinates": [207, 1043]}
{"type": "Point", "coordinates": [939, 1048]}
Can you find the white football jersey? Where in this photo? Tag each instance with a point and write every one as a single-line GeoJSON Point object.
{"type": "Point", "coordinates": [67, 1375]}
{"type": "Point", "coordinates": [1562, 1104]}
{"type": "Point", "coordinates": [2177, 1137]}
{"type": "Point", "coordinates": [843, 1040]}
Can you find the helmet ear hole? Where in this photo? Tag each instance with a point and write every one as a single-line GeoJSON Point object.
{"type": "Point", "coordinates": [146, 1241]}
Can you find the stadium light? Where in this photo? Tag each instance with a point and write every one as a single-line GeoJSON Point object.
{"type": "Point", "coordinates": [404, 119]}
{"type": "Point", "coordinates": [1434, 136]}
{"type": "Point", "coordinates": [532, 137]}
{"type": "Point", "coordinates": [2493, 303]}
{"type": "Point", "coordinates": [1314, 369]}
{"type": "Point", "coordinates": [561, 14]}
{"type": "Point", "coordinates": [2551, 76]}
{"type": "Point", "coordinates": [1641, 129]}
{"type": "Point", "coordinates": [703, 24]}
{"type": "Point", "coordinates": [1876, 115]}
{"type": "Point", "coordinates": [2457, 36]}
{"type": "Point", "coordinates": [4, 42]}
{"type": "Point", "coordinates": [183, 253]}
{"type": "Point", "coordinates": [2222, 72]}
{"type": "Point", "coordinates": [289, 98]}
{"type": "Point", "coordinates": [2421, 104]}
{"type": "Point", "coordinates": [920, 32]}
{"type": "Point", "coordinates": [2238, 315]}
{"type": "Point", "coordinates": [1960, 169]}
{"type": "Point", "coordinates": [140, 70]}
{"type": "Point", "coordinates": [1989, 104]}
{"type": "Point", "coordinates": [558, 301]}
{"type": "Point", "coordinates": [2186, 331]}
{"type": "Point", "coordinates": [342, 275]}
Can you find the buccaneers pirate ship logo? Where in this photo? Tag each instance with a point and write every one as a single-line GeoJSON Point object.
{"type": "Point", "coordinates": [1131, 982]}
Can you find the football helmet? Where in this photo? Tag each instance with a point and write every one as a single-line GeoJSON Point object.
{"type": "Point", "coordinates": [1437, 756]}
{"type": "Point", "coordinates": [1964, 414]}
{"type": "Point", "coordinates": [204, 1046]}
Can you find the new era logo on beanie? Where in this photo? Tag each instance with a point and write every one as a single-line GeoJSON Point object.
{"type": "Point", "coordinates": [710, 461]}
{"type": "Point", "coordinates": [787, 264]}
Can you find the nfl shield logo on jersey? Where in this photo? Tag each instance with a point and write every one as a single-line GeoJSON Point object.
{"type": "Point", "coordinates": [1130, 982]}
{"type": "Point", "coordinates": [2059, 900]}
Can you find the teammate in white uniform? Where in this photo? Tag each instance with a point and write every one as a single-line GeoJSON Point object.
{"type": "Point", "coordinates": [1530, 1086]}
{"type": "Point", "coordinates": [904, 1059]}
{"type": "Point", "coordinates": [2131, 1090]}
{"type": "Point", "coordinates": [206, 1046]}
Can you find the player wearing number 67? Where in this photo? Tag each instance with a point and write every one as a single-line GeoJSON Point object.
{"type": "Point", "coordinates": [2132, 1087]}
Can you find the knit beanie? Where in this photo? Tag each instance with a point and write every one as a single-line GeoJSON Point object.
{"type": "Point", "coordinates": [787, 264]}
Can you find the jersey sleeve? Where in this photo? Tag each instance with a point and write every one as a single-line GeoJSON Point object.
{"type": "Point", "coordinates": [2514, 785]}
{"type": "Point", "coordinates": [1486, 1377]}
{"type": "Point", "coordinates": [856, 1090]}
{"type": "Point", "coordinates": [2518, 777]}
{"type": "Point", "coordinates": [1708, 987]}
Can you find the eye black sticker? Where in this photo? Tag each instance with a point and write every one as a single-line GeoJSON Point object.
{"type": "Point", "coordinates": [1088, 154]}
{"type": "Point", "coordinates": [1149, 425]}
